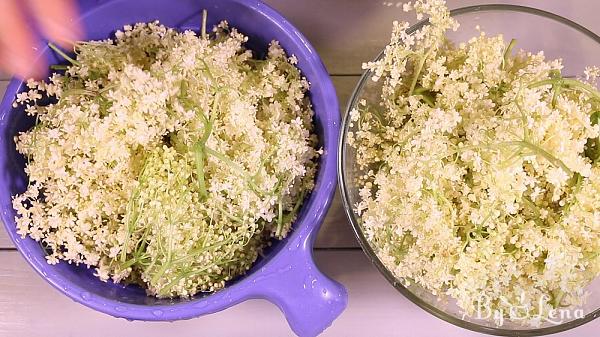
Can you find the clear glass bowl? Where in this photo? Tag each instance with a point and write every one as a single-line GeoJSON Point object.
{"type": "Point", "coordinates": [535, 30]}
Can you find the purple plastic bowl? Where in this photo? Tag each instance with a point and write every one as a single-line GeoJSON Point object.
{"type": "Point", "coordinates": [287, 276]}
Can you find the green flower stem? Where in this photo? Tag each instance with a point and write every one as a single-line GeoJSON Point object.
{"type": "Point", "coordinates": [204, 15]}
{"type": "Point", "coordinates": [199, 159]}
{"type": "Point", "coordinates": [568, 83]}
{"type": "Point", "coordinates": [592, 147]}
{"type": "Point", "coordinates": [508, 52]}
{"type": "Point", "coordinates": [428, 100]}
{"type": "Point", "coordinates": [229, 215]}
{"type": "Point", "coordinates": [198, 251]}
{"type": "Point", "coordinates": [62, 54]}
{"type": "Point", "coordinates": [235, 167]}
{"type": "Point", "coordinates": [523, 116]}
{"type": "Point", "coordinates": [279, 216]}
{"type": "Point", "coordinates": [417, 72]}
{"type": "Point", "coordinates": [59, 67]}
{"type": "Point", "coordinates": [132, 212]}
{"type": "Point", "coordinates": [540, 151]}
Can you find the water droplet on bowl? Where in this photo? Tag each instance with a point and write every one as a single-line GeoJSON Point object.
{"type": "Point", "coordinates": [201, 304]}
{"type": "Point", "coordinates": [157, 313]}
{"type": "Point", "coordinates": [294, 246]}
{"type": "Point", "coordinates": [308, 280]}
{"type": "Point", "coordinates": [324, 291]}
{"type": "Point", "coordinates": [86, 296]}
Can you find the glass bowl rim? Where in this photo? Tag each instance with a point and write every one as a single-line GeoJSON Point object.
{"type": "Point", "coordinates": [348, 208]}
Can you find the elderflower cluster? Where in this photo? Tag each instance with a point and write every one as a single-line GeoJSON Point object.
{"type": "Point", "coordinates": [166, 159]}
{"type": "Point", "coordinates": [480, 170]}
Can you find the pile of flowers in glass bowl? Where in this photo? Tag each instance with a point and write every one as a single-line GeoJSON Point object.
{"type": "Point", "coordinates": [470, 172]}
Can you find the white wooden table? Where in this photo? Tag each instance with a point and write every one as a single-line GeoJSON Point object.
{"type": "Point", "coordinates": [345, 33]}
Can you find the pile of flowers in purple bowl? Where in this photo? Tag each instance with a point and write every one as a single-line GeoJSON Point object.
{"type": "Point", "coordinates": [287, 275]}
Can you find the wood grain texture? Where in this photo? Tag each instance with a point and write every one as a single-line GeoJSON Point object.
{"type": "Point", "coordinates": [347, 33]}
{"type": "Point", "coordinates": [30, 307]}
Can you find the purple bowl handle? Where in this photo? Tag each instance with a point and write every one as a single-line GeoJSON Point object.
{"type": "Point", "coordinates": [309, 300]}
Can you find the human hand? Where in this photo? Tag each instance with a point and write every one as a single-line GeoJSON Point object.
{"type": "Point", "coordinates": [55, 20]}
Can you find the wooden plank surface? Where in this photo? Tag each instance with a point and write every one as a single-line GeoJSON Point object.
{"type": "Point", "coordinates": [32, 308]}
{"type": "Point", "coordinates": [347, 33]}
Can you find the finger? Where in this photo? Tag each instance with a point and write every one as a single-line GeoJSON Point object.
{"type": "Point", "coordinates": [57, 20]}
{"type": "Point", "coordinates": [17, 43]}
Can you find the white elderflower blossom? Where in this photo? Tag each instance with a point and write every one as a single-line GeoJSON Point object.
{"type": "Point", "coordinates": [168, 159]}
{"type": "Point", "coordinates": [481, 173]}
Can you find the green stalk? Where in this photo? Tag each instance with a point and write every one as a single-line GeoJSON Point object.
{"type": "Point", "coordinates": [508, 52]}
{"type": "Point", "coordinates": [201, 250]}
{"type": "Point", "coordinates": [132, 212]}
{"type": "Point", "coordinates": [540, 151]}
{"type": "Point", "coordinates": [229, 215]}
{"type": "Point", "coordinates": [163, 291]}
{"type": "Point", "coordinates": [62, 54]}
{"type": "Point", "coordinates": [59, 67]}
{"type": "Point", "coordinates": [196, 272]}
{"type": "Point", "coordinates": [557, 91]}
{"type": "Point", "coordinates": [426, 95]}
{"type": "Point", "coordinates": [161, 271]}
{"type": "Point", "coordinates": [523, 117]}
{"type": "Point", "coordinates": [78, 92]}
{"type": "Point", "coordinates": [199, 148]}
{"type": "Point", "coordinates": [208, 72]}
{"type": "Point", "coordinates": [235, 167]}
{"type": "Point", "coordinates": [299, 200]}
{"type": "Point", "coordinates": [569, 83]}
{"type": "Point", "coordinates": [204, 16]}
{"type": "Point", "coordinates": [279, 215]}
{"type": "Point", "coordinates": [33, 142]}
{"type": "Point", "coordinates": [557, 297]}
{"type": "Point", "coordinates": [417, 73]}
{"type": "Point", "coordinates": [592, 147]}
{"type": "Point", "coordinates": [199, 158]}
